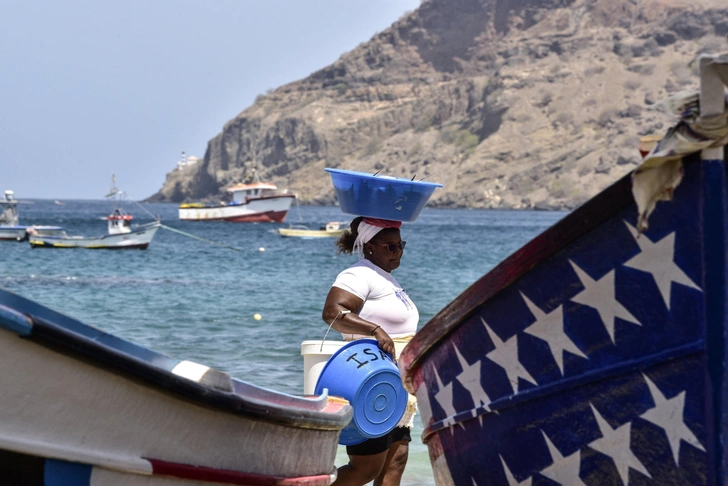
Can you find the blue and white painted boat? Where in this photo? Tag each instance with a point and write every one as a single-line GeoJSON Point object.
{"type": "Point", "coordinates": [597, 353]}
{"type": "Point", "coordinates": [121, 235]}
{"type": "Point", "coordinates": [80, 407]}
{"type": "Point", "coordinates": [254, 202]}
{"type": "Point", "coordinates": [10, 227]}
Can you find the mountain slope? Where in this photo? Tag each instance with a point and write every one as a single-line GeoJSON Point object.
{"type": "Point", "coordinates": [509, 104]}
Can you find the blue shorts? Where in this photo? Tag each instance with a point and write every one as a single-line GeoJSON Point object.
{"type": "Point", "coordinates": [379, 444]}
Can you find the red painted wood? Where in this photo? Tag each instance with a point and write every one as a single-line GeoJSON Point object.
{"type": "Point", "coordinates": [225, 476]}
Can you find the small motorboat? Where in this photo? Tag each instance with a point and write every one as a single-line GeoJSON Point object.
{"type": "Point", "coordinates": [121, 235]}
{"type": "Point", "coordinates": [330, 229]}
{"type": "Point", "coordinates": [10, 228]}
{"type": "Point", "coordinates": [78, 403]}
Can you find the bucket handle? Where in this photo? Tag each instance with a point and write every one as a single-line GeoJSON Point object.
{"type": "Point", "coordinates": [341, 313]}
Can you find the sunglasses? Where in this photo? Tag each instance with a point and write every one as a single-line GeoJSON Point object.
{"type": "Point", "coordinates": [392, 247]}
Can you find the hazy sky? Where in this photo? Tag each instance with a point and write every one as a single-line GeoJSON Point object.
{"type": "Point", "coordinates": [91, 88]}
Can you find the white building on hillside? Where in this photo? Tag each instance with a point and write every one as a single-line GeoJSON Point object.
{"type": "Point", "coordinates": [186, 161]}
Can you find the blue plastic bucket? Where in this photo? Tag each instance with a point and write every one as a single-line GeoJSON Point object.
{"type": "Point", "coordinates": [368, 378]}
{"type": "Point", "coordinates": [379, 196]}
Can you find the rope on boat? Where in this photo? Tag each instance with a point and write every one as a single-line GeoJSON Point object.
{"type": "Point", "coordinates": [199, 237]}
{"type": "Point", "coordinates": [182, 232]}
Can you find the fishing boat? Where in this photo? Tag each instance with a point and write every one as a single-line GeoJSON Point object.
{"type": "Point", "coordinates": [255, 202]}
{"type": "Point", "coordinates": [80, 406]}
{"type": "Point", "coordinates": [330, 229]}
{"type": "Point", "coordinates": [10, 228]}
{"type": "Point", "coordinates": [596, 354]}
{"type": "Point", "coordinates": [121, 235]}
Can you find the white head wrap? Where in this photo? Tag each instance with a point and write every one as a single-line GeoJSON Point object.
{"type": "Point", "coordinates": [365, 232]}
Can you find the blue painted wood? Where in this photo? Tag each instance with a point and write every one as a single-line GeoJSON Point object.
{"type": "Point", "coordinates": [714, 211]}
{"type": "Point", "coordinates": [62, 473]}
{"type": "Point", "coordinates": [15, 321]}
{"type": "Point", "coordinates": [510, 403]}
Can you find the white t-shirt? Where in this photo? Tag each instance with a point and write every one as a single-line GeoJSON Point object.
{"type": "Point", "coordinates": [385, 301]}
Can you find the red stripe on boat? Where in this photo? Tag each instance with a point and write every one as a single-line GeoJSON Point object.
{"type": "Point", "coordinates": [226, 476]}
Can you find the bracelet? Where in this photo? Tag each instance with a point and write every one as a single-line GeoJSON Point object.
{"type": "Point", "coordinates": [373, 330]}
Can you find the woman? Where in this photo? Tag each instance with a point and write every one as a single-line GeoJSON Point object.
{"type": "Point", "coordinates": [367, 301]}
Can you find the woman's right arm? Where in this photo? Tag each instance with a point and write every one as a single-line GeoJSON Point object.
{"type": "Point", "coordinates": [338, 301]}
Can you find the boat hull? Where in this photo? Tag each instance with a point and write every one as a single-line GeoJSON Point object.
{"type": "Point", "coordinates": [255, 210]}
{"type": "Point", "coordinates": [300, 233]}
{"type": "Point", "coordinates": [137, 239]}
{"type": "Point", "coordinates": [14, 233]}
{"type": "Point", "coordinates": [21, 469]}
{"type": "Point", "coordinates": [592, 355]}
{"type": "Point", "coordinates": [80, 398]}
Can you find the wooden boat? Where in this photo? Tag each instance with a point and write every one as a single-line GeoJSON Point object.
{"type": "Point", "coordinates": [121, 236]}
{"type": "Point", "coordinates": [80, 406]}
{"type": "Point", "coordinates": [10, 228]}
{"type": "Point", "coordinates": [256, 202]}
{"type": "Point", "coordinates": [596, 354]}
{"type": "Point", "coordinates": [330, 229]}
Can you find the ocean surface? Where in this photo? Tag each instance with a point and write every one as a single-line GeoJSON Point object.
{"type": "Point", "coordinates": [192, 299]}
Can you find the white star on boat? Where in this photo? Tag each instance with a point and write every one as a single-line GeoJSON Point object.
{"type": "Point", "coordinates": [658, 259]}
{"type": "Point", "coordinates": [550, 328]}
{"type": "Point", "coordinates": [668, 414]}
{"type": "Point", "coordinates": [615, 443]}
{"type": "Point", "coordinates": [563, 470]}
{"type": "Point", "coordinates": [509, 475]}
{"type": "Point", "coordinates": [470, 379]}
{"type": "Point", "coordinates": [505, 355]}
{"type": "Point", "coordinates": [600, 295]}
{"type": "Point", "coordinates": [444, 398]}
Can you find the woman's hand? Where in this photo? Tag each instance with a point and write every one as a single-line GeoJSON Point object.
{"type": "Point", "coordinates": [384, 342]}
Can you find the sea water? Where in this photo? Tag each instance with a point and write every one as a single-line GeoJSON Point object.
{"type": "Point", "coordinates": [196, 298]}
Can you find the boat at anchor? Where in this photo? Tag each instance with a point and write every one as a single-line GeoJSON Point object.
{"type": "Point", "coordinates": [332, 229]}
{"type": "Point", "coordinates": [254, 202]}
{"type": "Point", "coordinates": [121, 235]}
{"type": "Point", "coordinates": [10, 227]}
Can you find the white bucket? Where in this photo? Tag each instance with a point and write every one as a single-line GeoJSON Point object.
{"type": "Point", "coordinates": [314, 359]}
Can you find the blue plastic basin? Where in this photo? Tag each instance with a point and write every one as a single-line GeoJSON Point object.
{"type": "Point", "coordinates": [379, 196]}
{"type": "Point", "coordinates": [367, 377]}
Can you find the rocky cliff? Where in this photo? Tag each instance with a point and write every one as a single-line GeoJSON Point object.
{"type": "Point", "coordinates": [508, 103]}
